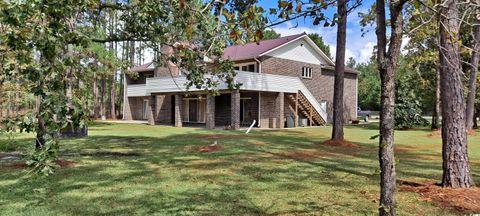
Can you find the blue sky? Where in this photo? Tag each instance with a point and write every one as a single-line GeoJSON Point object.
{"type": "Point", "coordinates": [357, 46]}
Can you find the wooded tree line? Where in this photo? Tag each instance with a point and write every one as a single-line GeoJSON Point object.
{"type": "Point", "coordinates": [65, 56]}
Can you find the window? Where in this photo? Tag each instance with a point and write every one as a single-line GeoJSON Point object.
{"type": "Point", "coordinates": [307, 72]}
{"type": "Point", "coordinates": [248, 67]}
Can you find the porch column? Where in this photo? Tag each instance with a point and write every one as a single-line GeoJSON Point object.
{"type": "Point", "coordinates": [279, 103]}
{"type": "Point", "coordinates": [296, 110]}
{"type": "Point", "coordinates": [235, 109]}
{"type": "Point", "coordinates": [178, 110]}
{"type": "Point", "coordinates": [210, 112]}
{"type": "Point", "coordinates": [152, 102]}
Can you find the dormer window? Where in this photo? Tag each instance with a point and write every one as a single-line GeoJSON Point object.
{"type": "Point", "coordinates": [307, 72]}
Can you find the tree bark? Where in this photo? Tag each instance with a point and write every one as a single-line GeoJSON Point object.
{"type": "Point", "coordinates": [338, 119]}
{"type": "Point", "coordinates": [102, 99]}
{"type": "Point", "coordinates": [472, 82]}
{"type": "Point", "coordinates": [436, 108]}
{"type": "Point", "coordinates": [112, 81]}
{"type": "Point", "coordinates": [456, 169]}
{"type": "Point", "coordinates": [95, 98]}
{"type": "Point", "coordinates": [475, 116]}
{"type": "Point", "coordinates": [387, 61]}
{"type": "Point", "coordinates": [42, 129]}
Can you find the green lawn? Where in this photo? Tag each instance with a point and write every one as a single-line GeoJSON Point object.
{"type": "Point", "coordinates": [277, 172]}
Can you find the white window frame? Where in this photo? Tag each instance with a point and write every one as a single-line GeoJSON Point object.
{"type": "Point", "coordinates": [246, 64]}
{"type": "Point", "coordinates": [307, 72]}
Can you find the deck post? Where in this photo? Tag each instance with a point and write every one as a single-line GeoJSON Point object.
{"type": "Point", "coordinates": [279, 103]}
{"type": "Point", "coordinates": [210, 112]}
{"type": "Point", "coordinates": [152, 104]}
{"type": "Point", "coordinates": [235, 110]}
{"type": "Point", "coordinates": [178, 110]}
{"type": "Point", "coordinates": [311, 117]}
{"type": "Point", "coordinates": [296, 110]}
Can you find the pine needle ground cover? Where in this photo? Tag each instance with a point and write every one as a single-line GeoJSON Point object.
{"type": "Point", "coordinates": [125, 169]}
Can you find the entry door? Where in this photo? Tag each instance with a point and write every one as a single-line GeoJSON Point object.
{"type": "Point", "coordinates": [193, 111]}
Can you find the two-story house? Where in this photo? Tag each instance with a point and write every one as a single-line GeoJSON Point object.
{"type": "Point", "coordinates": [286, 82]}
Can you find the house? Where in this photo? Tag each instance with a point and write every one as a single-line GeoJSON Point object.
{"type": "Point", "coordinates": [286, 82]}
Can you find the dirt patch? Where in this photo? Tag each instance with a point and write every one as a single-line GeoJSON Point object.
{"type": "Point", "coordinates": [209, 148]}
{"type": "Point", "coordinates": [301, 155]}
{"type": "Point", "coordinates": [22, 165]}
{"type": "Point", "coordinates": [104, 154]}
{"type": "Point", "coordinates": [65, 163]}
{"type": "Point", "coordinates": [472, 133]}
{"type": "Point", "coordinates": [340, 143]}
{"type": "Point", "coordinates": [435, 133]}
{"type": "Point", "coordinates": [217, 136]}
{"type": "Point", "coordinates": [464, 200]}
{"type": "Point", "coordinates": [310, 154]}
{"type": "Point", "coordinates": [438, 133]}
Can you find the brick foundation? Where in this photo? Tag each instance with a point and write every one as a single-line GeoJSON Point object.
{"type": "Point", "coordinates": [152, 102]}
{"type": "Point", "coordinates": [235, 110]}
{"type": "Point", "coordinates": [178, 110]}
{"type": "Point", "coordinates": [210, 112]}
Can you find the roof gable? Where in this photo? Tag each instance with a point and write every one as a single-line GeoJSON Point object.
{"type": "Point", "coordinates": [253, 50]}
{"type": "Point", "coordinates": [299, 50]}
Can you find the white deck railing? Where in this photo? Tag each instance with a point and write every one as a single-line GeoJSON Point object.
{"type": "Point", "coordinates": [137, 90]}
{"type": "Point", "coordinates": [250, 81]}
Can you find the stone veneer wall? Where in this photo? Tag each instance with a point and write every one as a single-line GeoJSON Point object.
{"type": "Point", "coordinates": [320, 85]}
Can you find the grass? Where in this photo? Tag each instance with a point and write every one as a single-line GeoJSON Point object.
{"type": "Point", "coordinates": [267, 172]}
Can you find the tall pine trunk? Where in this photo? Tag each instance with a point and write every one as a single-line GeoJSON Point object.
{"type": "Point", "coordinates": [456, 169]}
{"type": "Point", "coordinates": [338, 119]}
{"type": "Point", "coordinates": [96, 109]}
{"type": "Point", "coordinates": [436, 108]}
{"type": "Point", "coordinates": [472, 82]}
{"type": "Point", "coordinates": [102, 98]}
{"type": "Point", "coordinates": [387, 64]}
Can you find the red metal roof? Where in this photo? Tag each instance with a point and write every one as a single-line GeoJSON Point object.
{"type": "Point", "coordinates": [252, 50]}
{"type": "Point", "coordinates": [141, 68]}
{"type": "Point", "coordinates": [247, 51]}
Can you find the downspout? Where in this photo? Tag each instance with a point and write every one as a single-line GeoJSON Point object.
{"type": "Point", "coordinates": [259, 64]}
{"type": "Point", "coordinates": [259, 93]}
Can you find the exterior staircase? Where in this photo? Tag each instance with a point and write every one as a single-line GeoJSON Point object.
{"type": "Point", "coordinates": [306, 108]}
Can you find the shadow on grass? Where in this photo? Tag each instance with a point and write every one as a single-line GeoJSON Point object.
{"type": "Point", "coordinates": [164, 175]}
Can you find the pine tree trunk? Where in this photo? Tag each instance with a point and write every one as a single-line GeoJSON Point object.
{"type": "Point", "coordinates": [102, 99]}
{"type": "Point", "coordinates": [387, 61]}
{"type": "Point", "coordinates": [112, 99]}
{"type": "Point", "coordinates": [436, 108]}
{"type": "Point", "coordinates": [472, 82]}
{"type": "Point", "coordinates": [338, 118]}
{"type": "Point", "coordinates": [475, 116]}
{"type": "Point", "coordinates": [96, 108]}
{"type": "Point", "coordinates": [456, 169]}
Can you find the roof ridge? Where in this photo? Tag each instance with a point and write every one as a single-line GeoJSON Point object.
{"type": "Point", "coordinates": [294, 36]}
